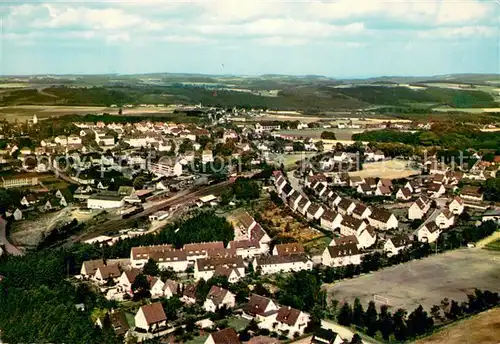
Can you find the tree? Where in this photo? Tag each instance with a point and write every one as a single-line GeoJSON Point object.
{"type": "Point", "coordinates": [436, 312]}
{"type": "Point", "coordinates": [151, 268]}
{"type": "Point", "coordinates": [357, 313]}
{"type": "Point", "coordinates": [385, 324]}
{"type": "Point", "coordinates": [320, 146]}
{"type": "Point", "coordinates": [299, 146]}
{"type": "Point", "coordinates": [454, 312]}
{"type": "Point", "coordinates": [328, 135]}
{"type": "Point", "coordinates": [345, 315]}
{"type": "Point", "coordinates": [139, 182]}
{"type": "Point", "coordinates": [140, 287]}
{"type": "Point", "coordinates": [419, 322]}
{"type": "Point", "coordinates": [400, 328]}
{"type": "Point", "coordinates": [167, 274]}
{"type": "Point", "coordinates": [370, 319]}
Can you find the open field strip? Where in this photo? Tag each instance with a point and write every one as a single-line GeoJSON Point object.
{"type": "Point", "coordinates": [483, 328]}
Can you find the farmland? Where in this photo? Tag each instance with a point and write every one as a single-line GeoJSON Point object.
{"type": "Point", "coordinates": [483, 328]}
{"type": "Point", "coordinates": [280, 224]}
{"type": "Point", "coordinates": [427, 281]}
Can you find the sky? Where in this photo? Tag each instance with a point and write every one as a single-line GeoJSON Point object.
{"type": "Point", "coordinates": [336, 38]}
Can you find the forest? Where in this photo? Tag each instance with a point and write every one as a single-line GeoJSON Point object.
{"type": "Point", "coordinates": [443, 135]}
{"type": "Point", "coordinates": [204, 226]}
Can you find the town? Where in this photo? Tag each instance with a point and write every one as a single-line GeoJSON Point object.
{"type": "Point", "coordinates": [243, 229]}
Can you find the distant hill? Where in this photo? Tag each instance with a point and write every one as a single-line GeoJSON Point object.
{"type": "Point", "coordinates": [310, 93]}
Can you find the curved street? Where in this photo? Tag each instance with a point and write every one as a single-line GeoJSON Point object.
{"type": "Point", "coordinates": [10, 248]}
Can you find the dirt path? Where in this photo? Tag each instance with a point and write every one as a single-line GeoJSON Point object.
{"type": "Point", "coordinates": [41, 91]}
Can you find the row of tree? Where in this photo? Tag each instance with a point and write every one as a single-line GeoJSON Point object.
{"type": "Point", "coordinates": [204, 226]}
{"type": "Point", "coordinates": [404, 326]}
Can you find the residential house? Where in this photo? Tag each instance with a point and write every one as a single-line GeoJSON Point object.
{"type": "Point", "coordinates": [396, 244]}
{"type": "Point", "coordinates": [288, 321]}
{"type": "Point", "coordinates": [165, 289]}
{"type": "Point", "coordinates": [314, 211]}
{"type": "Point", "coordinates": [349, 239]}
{"type": "Point", "coordinates": [383, 219]}
{"type": "Point", "coordinates": [372, 183]}
{"type": "Point", "coordinates": [316, 180]}
{"type": "Point", "coordinates": [176, 260]}
{"type": "Point", "coordinates": [106, 273]}
{"type": "Point", "coordinates": [435, 190]}
{"type": "Point", "coordinates": [346, 206]}
{"type": "Point", "coordinates": [419, 208]}
{"type": "Point", "coordinates": [290, 248]}
{"type": "Point", "coordinates": [445, 219]}
{"type": "Point", "coordinates": [118, 322]}
{"type": "Point", "coordinates": [231, 267]}
{"type": "Point", "coordinates": [189, 294]}
{"type": "Point", "coordinates": [471, 193]}
{"type": "Point", "coordinates": [29, 199]}
{"type": "Point", "coordinates": [383, 190]}
{"type": "Point", "coordinates": [225, 336]}
{"type": "Point", "coordinates": [334, 200]}
{"type": "Point", "coordinates": [293, 200]}
{"type": "Point", "coordinates": [246, 248]}
{"type": "Point", "coordinates": [141, 254]}
{"type": "Point", "coordinates": [304, 205]}
{"type": "Point", "coordinates": [364, 189]}
{"type": "Point", "coordinates": [282, 263]}
{"type": "Point", "coordinates": [414, 185]}
{"type": "Point", "coordinates": [457, 205]}
{"type": "Point", "coordinates": [330, 220]}
{"type": "Point", "coordinates": [404, 194]}
{"type": "Point", "coordinates": [151, 318]}
{"type": "Point", "coordinates": [354, 181]}
{"type": "Point", "coordinates": [218, 297]}
{"type": "Point", "coordinates": [326, 336]}
{"type": "Point", "coordinates": [258, 234]}
{"type": "Point", "coordinates": [17, 214]}
{"type": "Point", "coordinates": [286, 192]}
{"type": "Point", "coordinates": [169, 289]}
{"type": "Point", "coordinates": [384, 182]}
{"type": "Point", "coordinates": [259, 308]}
{"type": "Point", "coordinates": [89, 267]}
{"type": "Point", "coordinates": [126, 280]}
{"type": "Point", "coordinates": [428, 232]}
{"type": "Point", "coordinates": [361, 212]}
{"type": "Point", "coordinates": [351, 226]}
{"type": "Point", "coordinates": [367, 237]}
{"type": "Point", "coordinates": [202, 250]}
{"type": "Point", "coordinates": [341, 255]}
{"type": "Point", "coordinates": [491, 215]}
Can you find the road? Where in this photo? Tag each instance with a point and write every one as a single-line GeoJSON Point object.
{"type": "Point", "coordinates": [181, 198]}
{"type": "Point", "coordinates": [11, 249]}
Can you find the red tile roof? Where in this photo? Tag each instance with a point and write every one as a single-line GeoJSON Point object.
{"type": "Point", "coordinates": [153, 313]}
